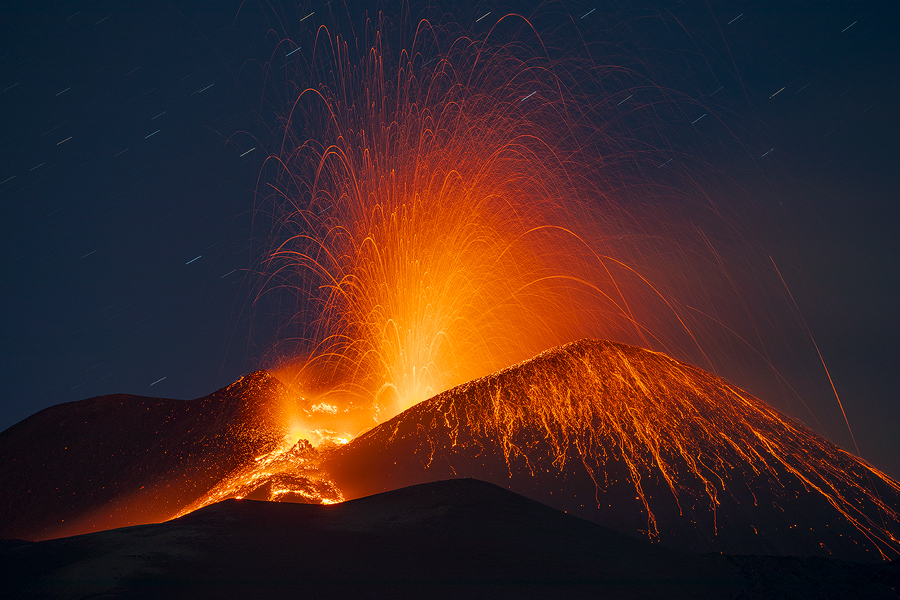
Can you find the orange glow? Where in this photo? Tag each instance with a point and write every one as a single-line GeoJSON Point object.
{"type": "Point", "coordinates": [438, 220]}
{"type": "Point", "coordinates": [463, 209]}
{"type": "Point", "coordinates": [287, 471]}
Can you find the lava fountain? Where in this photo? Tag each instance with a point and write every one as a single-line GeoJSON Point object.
{"type": "Point", "coordinates": [439, 213]}
{"type": "Point", "coordinates": [450, 209]}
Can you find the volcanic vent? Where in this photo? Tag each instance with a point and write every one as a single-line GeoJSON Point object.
{"type": "Point", "coordinates": [642, 443]}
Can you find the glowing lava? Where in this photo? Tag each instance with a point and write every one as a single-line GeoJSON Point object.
{"type": "Point", "coordinates": [282, 475]}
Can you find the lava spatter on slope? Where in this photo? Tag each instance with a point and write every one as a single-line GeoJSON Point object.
{"type": "Point", "coordinates": [290, 475]}
{"type": "Point", "coordinates": [643, 443]}
{"type": "Point", "coordinates": [120, 460]}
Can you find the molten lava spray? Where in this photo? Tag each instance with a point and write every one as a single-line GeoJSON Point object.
{"type": "Point", "coordinates": [453, 208]}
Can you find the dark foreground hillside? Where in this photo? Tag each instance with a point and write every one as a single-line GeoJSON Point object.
{"type": "Point", "coordinates": [452, 539]}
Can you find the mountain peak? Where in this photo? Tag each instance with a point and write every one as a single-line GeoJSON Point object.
{"type": "Point", "coordinates": [641, 442]}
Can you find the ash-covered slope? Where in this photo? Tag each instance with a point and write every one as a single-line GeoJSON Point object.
{"type": "Point", "coordinates": [120, 460]}
{"type": "Point", "coordinates": [641, 443]}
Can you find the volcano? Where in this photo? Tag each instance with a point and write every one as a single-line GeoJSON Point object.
{"type": "Point", "coordinates": [629, 439]}
{"type": "Point", "coordinates": [641, 443]}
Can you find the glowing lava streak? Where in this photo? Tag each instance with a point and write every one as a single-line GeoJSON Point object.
{"type": "Point", "coordinates": [442, 223]}
{"type": "Point", "coordinates": [287, 474]}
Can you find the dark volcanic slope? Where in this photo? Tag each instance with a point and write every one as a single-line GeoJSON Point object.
{"type": "Point", "coordinates": [120, 460]}
{"type": "Point", "coordinates": [641, 443]}
{"type": "Point", "coordinates": [461, 538]}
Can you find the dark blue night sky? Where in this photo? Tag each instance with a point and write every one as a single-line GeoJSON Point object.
{"type": "Point", "coordinates": [132, 136]}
